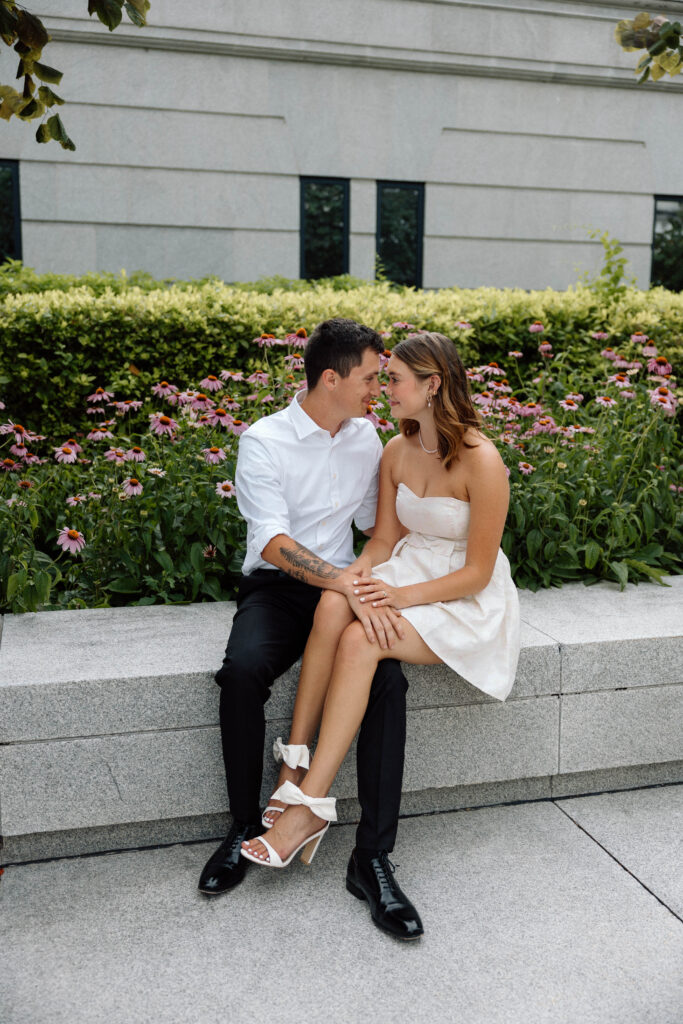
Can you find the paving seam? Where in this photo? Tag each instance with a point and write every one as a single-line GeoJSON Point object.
{"type": "Point", "coordinates": [617, 861]}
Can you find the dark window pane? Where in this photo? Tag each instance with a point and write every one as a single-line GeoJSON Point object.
{"type": "Point", "coordinates": [667, 244]}
{"type": "Point", "coordinates": [399, 231]}
{"type": "Point", "coordinates": [324, 227]}
{"type": "Point", "coordinates": [10, 228]}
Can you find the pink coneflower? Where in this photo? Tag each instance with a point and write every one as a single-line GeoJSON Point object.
{"type": "Point", "coordinates": [634, 368]}
{"type": "Point", "coordinates": [231, 404]}
{"type": "Point", "coordinates": [463, 325]}
{"type": "Point", "coordinates": [531, 409]}
{"type": "Point", "coordinates": [265, 341]}
{"type": "Point", "coordinates": [536, 327]}
{"type": "Point", "coordinates": [491, 370]}
{"type": "Point", "coordinates": [213, 455]}
{"type": "Point", "coordinates": [210, 383]}
{"type": "Point", "coordinates": [94, 496]}
{"type": "Point", "coordinates": [19, 450]}
{"type": "Point", "coordinates": [299, 337]}
{"type": "Point", "coordinates": [372, 416]}
{"type": "Point", "coordinates": [599, 335]}
{"type": "Point", "coordinates": [295, 361]}
{"type": "Point", "coordinates": [385, 425]}
{"type": "Point", "coordinates": [162, 424]}
{"type": "Point", "coordinates": [71, 540]}
{"type": "Point", "coordinates": [569, 404]}
{"type": "Point", "coordinates": [667, 407]}
{"type": "Point", "coordinates": [258, 378]}
{"type": "Point", "coordinates": [621, 363]}
{"type": "Point", "coordinates": [231, 375]}
{"type": "Point", "coordinates": [226, 489]}
{"type": "Point", "coordinates": [608, 353]}
{"type": "Point", "coordinates": [72, 443]}
{"type": "Point", "coordinates": [474, 376]}
{"type": "Point", "coordinates": [31, 459]}
{"type": "Point", "coordinates": [163, 389]}
{"type": "Point", "coordinates": [100, 395]}
{"type": "Point", "coordinates": [606, 401]}
{"type": "Point", "coordinates": [649, 350]}
{"type": "Point", "coordinates": [135, 454]}
{"type": "Point", "coordinates": [8, 465]}
{"type": "Point", "coordinates": [237, 426]}
{"type": "Point", "coordinates": [156, 471]}
{"type": "Point", "coordinates": [639, 338]}
{"type": "Point", "coordinates": [546, 349]}
{"type": "Point", "coordinates": [210, 551]}
{"type": "Point", "coordinates": [65, 454]}
{"type": "Point", "coordinates": [659, 365]}
{"type": "Point", "coordinates": [627, 394]}
{"type": "Point", "coordinates": [132, 486]}
{"type": "Point", "coordinates": [221, 415]}
{"type": "Point", "coordinates": [575, 396]}
{"type": "Point", "coordinates": [620, 379]}
{"type": "Point", "coordinates": [116, 455]}
{"type": "Point", "coordinates": [75, 499]}
{"type": "Point", "coordinates": [544, 425]}
{"type": "Point", "coordinates": [484, 398]}
{"type": "Point", "coordinates": [401, 325]}
{"type": "Point", "coordinates": [202, 402]}
{"type": "Point", "coordinates": [25, 485]}
{"type": "Point", "coordinates": [183, 397]}
{"type": "Point", "coordinates": [99, 434]}
{"type": "Point", "coordinates": [526, 468]}
{"type": "Point", "coordinates": [129, 405]}
{"type": "Point", "coordinates": [515, 354]}
{"type": "Point", "coordinates": [502, 386]}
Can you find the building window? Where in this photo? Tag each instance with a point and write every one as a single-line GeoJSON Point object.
{"type": "Point", "coordinates": [400, 226]}
{"type": "Point", "coordinates": [667, 243]}
{"type": "Point", "coordinates": [10, 217]}
{"type": "Point", "coordinates": [324, 227]}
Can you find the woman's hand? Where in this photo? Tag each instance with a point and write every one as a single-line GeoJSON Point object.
{"type": "Point", "coordinates": [381, 625]}
{"type": "Point", "coordinates": [378, 594]}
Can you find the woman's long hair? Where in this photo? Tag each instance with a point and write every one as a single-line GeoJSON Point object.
{"type": "Point", "coordinates": [427, 353]}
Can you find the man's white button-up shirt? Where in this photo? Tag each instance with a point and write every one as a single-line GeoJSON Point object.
{"type": "Point", "coordinates": [293, 477]}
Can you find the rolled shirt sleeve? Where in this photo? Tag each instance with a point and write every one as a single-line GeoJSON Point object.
{"type": "Point", "coordinates": [260, 495]}
{"type": "Point", "coordinates": [367, 510]}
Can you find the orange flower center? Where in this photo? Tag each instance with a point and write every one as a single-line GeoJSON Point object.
{"type": "Point", "coordinates": [211, 377]}
{"type": "Point", "coordinates": [72, 534]}
{"type": "Point", "coordinates": [165, 420]}
{"type": "Point", "coordinates": [221, 412]}
{"type": "Point", "coordinates": [8, 462]}
{"type": "Point", "coordinates": [164, 384]}
{"type": "Point", "coordinates": [214, 451]}
{"type": "Point", "coordinates": [301, 333]}
{"type": "Point", "coordinates": [99, 391]}
{"type": "Point", "coordinates": [136, 450]}
{"type": "Point", "coordinates": [133, 482]}
{"type": "Point", "coordinates": [661, 360]}
{"type": "Point", "coordinates": [25, 483]}
{"type": "Point", "coordinates": [494, 365]}
{"type": "Point", "coordinates": [226, 487]}
{"type": "Point", "coordinates": [663, 391]}
{"type": "Point", "coordinates": [237, 423]}
{"type": "Point", "coordinates": [67, 450]}
{"type": "Point", "coordinates": [19, 429]}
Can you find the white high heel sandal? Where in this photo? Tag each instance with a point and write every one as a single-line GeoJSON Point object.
{"type": "Point", "coordinates": [295, 755]}
{"type": "Point", "coordinates": [322, 806]}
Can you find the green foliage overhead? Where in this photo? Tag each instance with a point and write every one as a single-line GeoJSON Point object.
{"type": "Point", "coordinates": [27, 36]}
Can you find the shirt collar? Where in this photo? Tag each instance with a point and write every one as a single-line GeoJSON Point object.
{"type": "Point", "coordinates": [304, 425]}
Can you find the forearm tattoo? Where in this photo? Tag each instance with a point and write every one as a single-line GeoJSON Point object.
{"type": "Point", "coordinates": [303, 564]}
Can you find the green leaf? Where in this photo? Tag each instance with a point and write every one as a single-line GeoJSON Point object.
{"type": "Point", "coordinates": [48, 97]}
{"type": "Point", "coordinates": [9, 23]}
{"type": "Point", "coordinates": [108, 11]}
{"type": "Point", "coordinates": [15, 583]}
{"type": "Point", "coordinates": [648, 570]}
{"type": "Point", "coordinates": [31, 109]}
{"type": "Point", "coordinates": [58, 132]}
{"type": "Point", "coordinates": [137, 11]}
{"type": "Point", "coordinates": [197, 557]}
{"type": "Point", "coordinates": [212, 587]}
{"type": "Point", "coordinates": [534, 539]}
{"type": "Point", "coordinates": [649, 520]}
{"type": "Point", "coordinates": [164, 560]}
{"type": "Point", "coordinates": [47, 74]}
{"type": "Point", "coordinates": [124, 585]}
{"type": "Point", "coordinates": [33, 517]}
{"type": "Point", "coordinates": [43, 134]}
{"type": "Point", "coordinates": [31, 31]}
{"type": "Point", "coordinates": [43, 584]}
{"type": "Point", "coordinates": [592, 554]}
{"type": "Point", "coordinates": [620, 570]}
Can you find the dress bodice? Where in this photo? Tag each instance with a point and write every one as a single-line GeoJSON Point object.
{"type": "Point", "coordinates": [438, 517]}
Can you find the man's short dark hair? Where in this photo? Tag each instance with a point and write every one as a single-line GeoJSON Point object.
{"type": "Point", "coordinates": [338, 345]}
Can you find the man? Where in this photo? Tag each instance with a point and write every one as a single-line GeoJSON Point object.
{"type": "Point", "coordinates": [303, 476]}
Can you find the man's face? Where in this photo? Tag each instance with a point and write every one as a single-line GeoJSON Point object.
{"type": "Point", "coordinates": [354, 393]}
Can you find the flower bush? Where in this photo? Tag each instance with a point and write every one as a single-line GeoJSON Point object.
{"type": "Point", "coordinates": [58, 345]}
{"type": "Point", "coordinates": [137, 505]}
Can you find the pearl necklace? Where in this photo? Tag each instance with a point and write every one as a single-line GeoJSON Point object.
{"type": "Point", "coordinates": [428, 451]}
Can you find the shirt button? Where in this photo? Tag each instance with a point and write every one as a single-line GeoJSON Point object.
{"type": "Point", "coordinates": [336, 504]}
{"type": "Point", "coordinates": [334, 476]}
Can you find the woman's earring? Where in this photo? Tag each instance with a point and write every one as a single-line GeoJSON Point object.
{"type": "Point", "coordinates": [429, 399]}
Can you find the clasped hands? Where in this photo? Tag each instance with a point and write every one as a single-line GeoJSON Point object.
{"type": "Point", "coordinates": [377, 607]}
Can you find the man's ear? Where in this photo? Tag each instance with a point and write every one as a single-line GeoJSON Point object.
{"type": "Point", "coordinates": [329, 379]}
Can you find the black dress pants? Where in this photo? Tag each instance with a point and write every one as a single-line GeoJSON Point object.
{"type": "Point", "coordinates": [269, 632]}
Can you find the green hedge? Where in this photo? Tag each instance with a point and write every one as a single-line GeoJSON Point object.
{"type": "Point", "coordinates": [57, 345]}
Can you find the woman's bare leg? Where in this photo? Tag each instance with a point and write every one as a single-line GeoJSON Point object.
{"type": "Point", "coordinates": [332, 616]}
{"type": "Point", "coordinates": [345, 705]}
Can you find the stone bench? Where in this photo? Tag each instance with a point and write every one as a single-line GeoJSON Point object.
{"type": "Point", "coordinates": [109, 732]}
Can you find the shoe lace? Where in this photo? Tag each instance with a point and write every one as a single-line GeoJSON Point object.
{"type": "Point", "coordinates": [388, 869]}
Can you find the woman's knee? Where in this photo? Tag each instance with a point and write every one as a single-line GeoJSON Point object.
{"type": "Point", "coordinates": [354, 642]}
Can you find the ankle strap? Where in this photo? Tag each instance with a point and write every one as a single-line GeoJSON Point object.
{"type": "Point", "coordinates": [322, 806]}
{"type": "Point", "coordinates": [295, 755]}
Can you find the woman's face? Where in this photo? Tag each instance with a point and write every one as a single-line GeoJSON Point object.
{"type": "Point", "coordinates": [407, 394]}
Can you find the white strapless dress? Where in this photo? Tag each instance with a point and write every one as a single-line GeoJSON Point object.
{"type": "Point", "coordinates": [477, 636]}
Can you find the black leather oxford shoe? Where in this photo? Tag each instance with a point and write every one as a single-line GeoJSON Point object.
{"type": "Point", "coordinates": [370, 876]}
{"type": "Point", "coordinates": [226, 868]}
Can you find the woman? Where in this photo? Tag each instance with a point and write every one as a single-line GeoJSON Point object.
{"type": "Point", "coordinates": [437, 563]}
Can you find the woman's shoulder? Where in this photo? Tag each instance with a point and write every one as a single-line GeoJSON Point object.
{"type": "Point", "coordinates": [479, 451]}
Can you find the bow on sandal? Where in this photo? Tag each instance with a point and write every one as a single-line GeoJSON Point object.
{"type": "Point", "coordinates": [322, 806]}
{"type": "Point", "coordinates": [294, 755]}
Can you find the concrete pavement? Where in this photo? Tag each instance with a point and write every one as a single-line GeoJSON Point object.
{"type": "Point", "coordinates": [552, 912]}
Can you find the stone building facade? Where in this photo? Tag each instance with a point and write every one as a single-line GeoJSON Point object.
{"type": "Point", "coordinates": [514, 128]}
